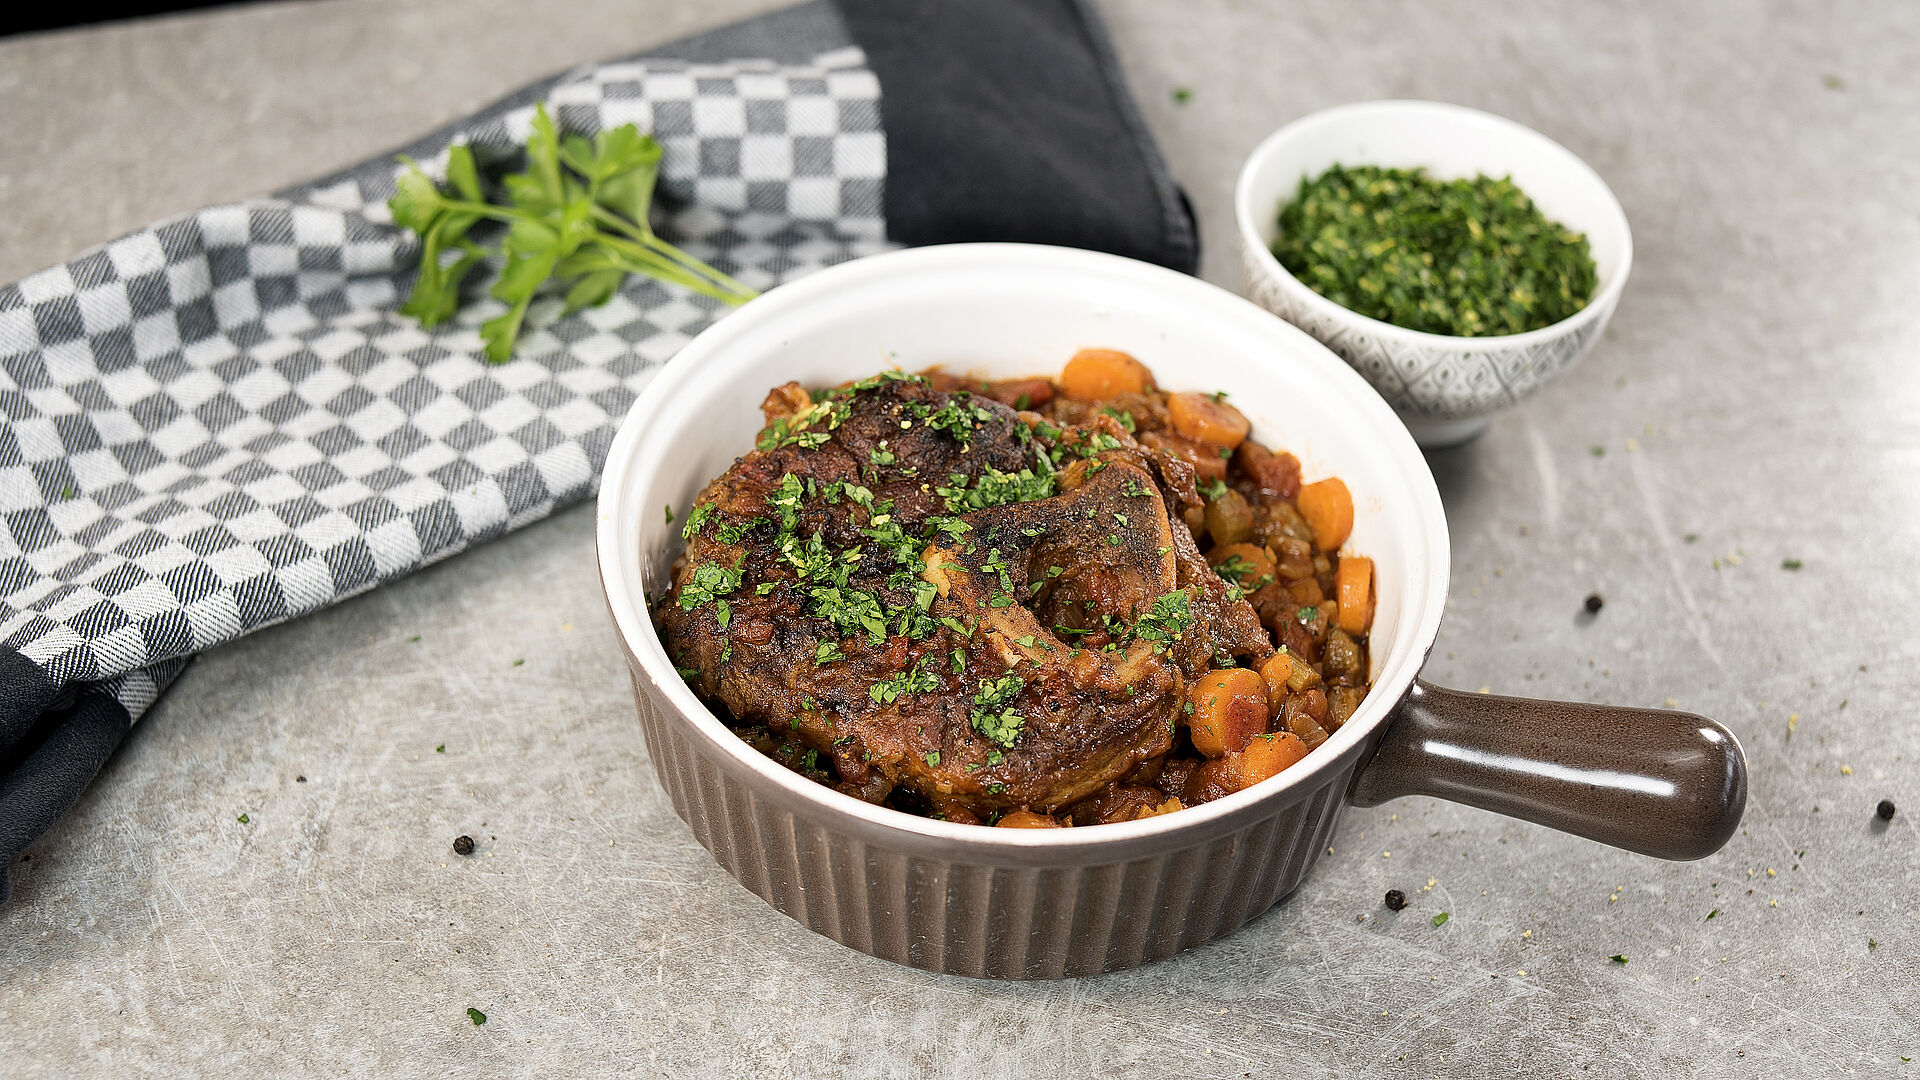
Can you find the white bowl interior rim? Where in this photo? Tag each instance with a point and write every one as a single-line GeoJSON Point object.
{"type": "Point", "coordinates": [1497, 145]}
{"type": "Point", "coordinates": [733, 363]}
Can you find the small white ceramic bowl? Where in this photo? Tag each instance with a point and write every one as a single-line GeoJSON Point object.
{"type": "Point", "coordinates": [1444, 388]}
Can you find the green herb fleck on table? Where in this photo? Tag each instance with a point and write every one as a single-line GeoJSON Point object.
{"type": "Point", "coordinates": [441, 749]}
{"type": "Point", "coordinates": [1618, 958]}
{"type": "Point", "coordinates": [477, 1017]}
{"type": "Point", "coordinates": [1441, 919]}
{"type": "Point", "coordinates": [1597, 451]}
{"type": "Point", "coordinates": [1835, 82]}
{"type": "Point", "coordinates": [1711, 914]}
{"type": "Point", "coordinates": [577, 216]}
{"type": "Point", "coordinates": [1466, 258]}
{"type": "Point", "coordinates": [1790, 564]}
{"type": "Point", "coordinates": [1182, 95]}
{"type": "Point", "coordinates": [243, 819]}
{"type": "Point", "coordinates": [519, 663]}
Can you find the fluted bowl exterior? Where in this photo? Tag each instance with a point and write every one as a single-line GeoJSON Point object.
{"type": "Point", "coordinates": [965, 899]}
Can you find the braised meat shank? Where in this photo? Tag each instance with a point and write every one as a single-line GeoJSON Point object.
{"type": "Point", "coordinates": [921, 594]}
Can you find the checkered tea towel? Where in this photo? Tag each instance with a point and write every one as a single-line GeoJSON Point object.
{"type": "Point", "coordinates": [221, 421]}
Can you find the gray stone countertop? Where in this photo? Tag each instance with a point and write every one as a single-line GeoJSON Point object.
{"type": "Point", "coordinates": [1756, 400]}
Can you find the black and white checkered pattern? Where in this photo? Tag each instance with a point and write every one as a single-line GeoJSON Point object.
{"type": "Point", "coordinates": [220, 422]}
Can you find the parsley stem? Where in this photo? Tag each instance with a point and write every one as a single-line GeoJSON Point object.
{"type": "Point", "coordinates": [650, 255]}
{"type": "Point", "coordinates": [649, 261]}
{"type": "Point", "coordinates": [645, 235]}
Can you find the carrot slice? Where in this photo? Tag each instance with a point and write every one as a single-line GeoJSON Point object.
{"type": "Point", "coordinates": [1206, 419]}
{"type": "Point", "coordinates": [1266, 757]}
{"type": "Point", "coordinates": [1353, 587]}
{"type": "Point", "coordinates": [1098, 374]}
{"type": "Point", "coordinates": [1328, 507]}
{"type": "Point", "coordinates": [1229, 708]}
{"type": "Point", "coordinates": [1253, 563]}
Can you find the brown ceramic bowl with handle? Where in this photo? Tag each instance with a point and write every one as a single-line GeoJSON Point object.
{"type": "Point", "coordinates": [1037, 904]}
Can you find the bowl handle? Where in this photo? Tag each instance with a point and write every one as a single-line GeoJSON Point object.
{"type": "Point", "coordinates": [1662, 783]}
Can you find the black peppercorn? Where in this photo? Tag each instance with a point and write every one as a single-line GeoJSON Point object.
{"type": "Point", "coordinates": [1594, 603]}
{"type": "Point", "coordinates": [1396, 900]}
{"type": "Point", "coordinates": [1885, 809]}
{"type": "Point", "coordinates": [463, 845]}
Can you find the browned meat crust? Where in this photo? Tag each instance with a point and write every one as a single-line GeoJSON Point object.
{"type": "Point", "coordinates": [940, 597]}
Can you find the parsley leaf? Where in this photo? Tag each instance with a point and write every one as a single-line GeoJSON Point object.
{"type": "Point", "coordinates": [919, 679]}
{"type": "Point", "coordinates": [1170, 616]}
{"type": "Point", "coordinates": [577, 216]}
{"type": "Point", "coordinates": [992, 717]}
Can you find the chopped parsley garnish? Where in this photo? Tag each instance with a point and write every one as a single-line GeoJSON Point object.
{"type": "Point", "coordinates": [827, 653]}
{"type": "Point", "coordinates": [709, 582]}
{"type": "Point", "coordinates": [1169, 618]}
{"type": "Point", "coordinates": [785, 497]}
{"type": "Point", "coordinates": [734, 532]}
{"type": "Point", "coordinates": [1234, 569]}
{"type": "Point", "coordinates": [933, 758]}
{"type": "Point", "coordinates": [1123, 416]}
{"type": "Point", "coordinates": [992, 715]}
{"type": "Point", "coordinates": [995, 488]}
{"type": "Point", "coordinates": [850, 609]}
{"type": "Point", "coordinates": [1465, 257]}
{"type": "Point", "coordinates": [1214, 490]}
{"type": "Point", "coordinates": [920, 679]}
{"type": "Point", "coordinates": [1441, 920]}
{"type": "Point", "coordinates": [959, 416]}
{"type": "Point", "coordinates": [784, 432]}
{"type": "Point", "coordinates": [697, 520]}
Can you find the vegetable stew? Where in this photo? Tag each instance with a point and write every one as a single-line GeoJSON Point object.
{"type": "Point", "coordinates": [1031, 603]}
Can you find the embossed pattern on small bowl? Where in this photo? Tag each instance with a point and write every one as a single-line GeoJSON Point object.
{"type": "Point", "coordinates": [1444, 388]}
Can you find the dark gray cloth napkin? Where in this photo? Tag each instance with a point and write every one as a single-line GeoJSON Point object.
{"type": "Point", "coordinates": [220, 422]}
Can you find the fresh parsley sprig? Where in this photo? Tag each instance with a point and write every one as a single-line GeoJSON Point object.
{"type": "Point", "coordinates": [578, 216]}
